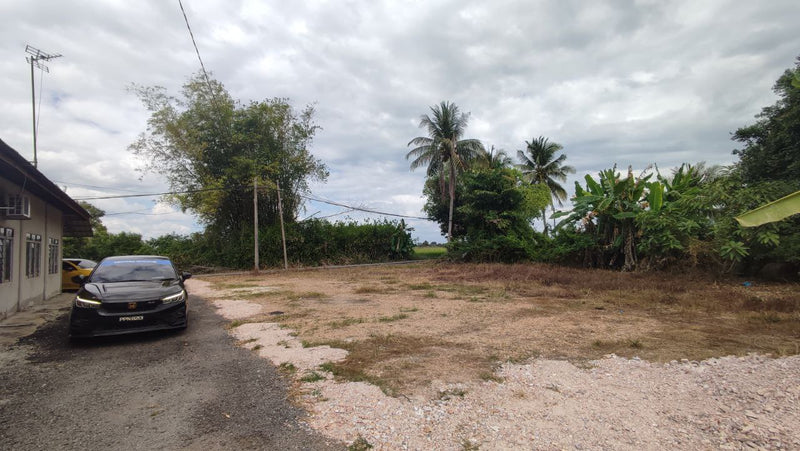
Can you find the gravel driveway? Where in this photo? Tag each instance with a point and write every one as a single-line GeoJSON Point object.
{"type": "Point", "coordinates": [189, 390]}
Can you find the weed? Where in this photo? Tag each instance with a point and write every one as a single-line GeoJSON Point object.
{"type": "Point", "coordinates": [345, 322]}
{"type": "Point", "coordinates": [256, 347]}
{"type": "Point", "coordinates": [553, 387]}
{"type": "Point", "coordinates": [251, 295]}
{"type": "Point", "coordinates": [287, 368]}
{"type": "Point", "coordinates": [327, 367]}
{"type": "Point", "coordinates": [235, 323]}
{"type": "Point", "coordinates": [419, 286]}
{"type": "Point", "coordinates": [489, 376]}
{"type": "Point", "coordinates": [244, 342]}
{"type": "Point", "coordinates": [635, 344]}
{"type": "Point", "coordinates": [431, 294]}
{"type": "Point", "coordinates": [312, 377]}
{"type": "Point", "coordinates": [368, 289]}
{"type": "Point", "coordinates": [284, 343]}
{"type": "Point", "coordinates": [768, 317]}
{"type": "Point", "coordinates": [389, 319]}
{"type": "Point", "coordinates": [469, 445]}
{"type": "Point", "coordinates": [451, 393]}
{"type": "Point", "coordinates": [359, 444]}
{"type": "Point", "coordinates": [306, 296]}
{"type": "Point", "coordinates": [409, 310]}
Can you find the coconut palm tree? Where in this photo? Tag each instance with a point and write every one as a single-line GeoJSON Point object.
{"type": "Point", "coordinates": [541, 165]}
{"type": "Point", "coordinates": [443, 151]}
{"type": "Point", "coordinates": [495, 159]}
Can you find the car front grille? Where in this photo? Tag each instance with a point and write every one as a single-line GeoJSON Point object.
{"type": "Point", "coordinates": [121, 307]}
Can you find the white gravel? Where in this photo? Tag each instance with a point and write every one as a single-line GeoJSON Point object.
{"type": "Point", "coordinates": [725, 403]}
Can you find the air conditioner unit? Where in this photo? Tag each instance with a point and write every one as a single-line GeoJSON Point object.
{"type": "Point", "coordinates": [18, 207]}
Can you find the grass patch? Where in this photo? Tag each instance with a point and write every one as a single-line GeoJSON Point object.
{"type": "Point", "coordinates": [389, 319]}
{"type": "Point", "coordinates": [371, 289]}
{"type": "Point", "coordinates": [429, 252]}
{"type": "Point", "coordinates": [490, 376]}
{"type": "Point", "coordinates": [345, 322]}
{"type": "Point", "coordinates": [287, 368]}
{"type": "Point", "coordinates": [359, 444]}
{"type": "Point", "coordinates": [419, 286]}
{"type": "Point", "coordinates": [312, 377]}
{"type": "Point", "coordinates": [365, 356]}
{"type": "Point", "coordinates": [234, 286]}
{"type": "Point", "coordinates": [431, 295]}
{"type": "Point", "coordinates": [308, 295]}
{"type": "Point", "coordinates": [452, 393]}
{"type": "Point", "coordinates": [409, 310]}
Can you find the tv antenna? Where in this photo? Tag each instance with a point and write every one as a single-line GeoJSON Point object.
{"type": "Point", "coordinates": [36, 59]}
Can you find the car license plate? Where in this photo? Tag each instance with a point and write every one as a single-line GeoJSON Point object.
{"type": "Point", "coordinates": [132, 318]}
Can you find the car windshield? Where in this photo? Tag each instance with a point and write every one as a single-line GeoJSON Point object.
{"type": "Point", "coordinates": [134, 270]}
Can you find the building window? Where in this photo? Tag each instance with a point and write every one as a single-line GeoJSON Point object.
{"type": "Point", "coordinates": [6, 251]}
{"type": "Point", "coordinates": [33, 254]}
{"type": "Point", "coordinates": [52, 256]}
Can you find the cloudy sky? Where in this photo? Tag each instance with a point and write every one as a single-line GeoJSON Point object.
{"type": "Point", "coordinates": [615, 82]}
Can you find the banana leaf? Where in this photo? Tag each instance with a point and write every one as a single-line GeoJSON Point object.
{"type": "Point", "coordinates": [771, 212]}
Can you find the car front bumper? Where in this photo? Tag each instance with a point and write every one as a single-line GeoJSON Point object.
{"type": "Point", "coordinates": [89, 322]}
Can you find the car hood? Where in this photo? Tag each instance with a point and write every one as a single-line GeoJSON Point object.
{"type": "Point", "coordinates": [131, 291]}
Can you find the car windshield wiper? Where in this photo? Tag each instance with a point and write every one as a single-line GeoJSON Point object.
{"type": "Point", "coordinates": [162, 279]}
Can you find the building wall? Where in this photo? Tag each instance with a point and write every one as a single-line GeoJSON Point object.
{"type": "Point", "coordinates": [22, 291]}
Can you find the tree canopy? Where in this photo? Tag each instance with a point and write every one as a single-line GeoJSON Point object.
{"type": "Point", "coordinates": [772, 145]}
{"type": "Point", "coordinates": [210, 148]}
{"type": "Point", "coordinates": [444, 151]}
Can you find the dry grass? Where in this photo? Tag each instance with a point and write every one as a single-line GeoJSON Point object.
{"type": "Point", "coordinates": [406, 326]}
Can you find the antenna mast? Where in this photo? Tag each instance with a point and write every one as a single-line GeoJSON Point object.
{"type": "Point", "coordinates": [35, 59]}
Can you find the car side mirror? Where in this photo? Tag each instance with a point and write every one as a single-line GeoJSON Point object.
{"type": "Point", "coordinates": [186, 275]}
{"type": "Point", "coordinates": [80, 279]}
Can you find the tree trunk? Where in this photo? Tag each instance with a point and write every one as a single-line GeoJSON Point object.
{"type": "Point", "coordinates": [629, 248]}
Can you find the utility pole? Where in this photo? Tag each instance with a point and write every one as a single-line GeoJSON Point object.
{"type": "Point", "coordinates": [283, 234]}
{"type": "Point", "coordinates": [255, 223]}
{"type": "Point", "coordinates": [36, 58]}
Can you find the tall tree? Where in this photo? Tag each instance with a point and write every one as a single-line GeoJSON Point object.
{"type": "Point", "coordinates": [540, 165]}
{"type": "Point", "coordinates": [444, 151]}
{"type": "Point", "coordinates": [495, 159]}
{"type": "Point", "coordinates": [210, 147]}
{"type": "Point", "coordinates": [772, 145]}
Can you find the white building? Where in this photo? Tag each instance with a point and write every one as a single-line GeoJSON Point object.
{"type": "Point", "coordinates": [35, 216]}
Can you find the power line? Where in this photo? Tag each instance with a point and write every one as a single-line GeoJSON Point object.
{"type": "Point", "coordinates": [123, 196]}
{"type": "Point", "coordinates": [311, 198]}
{"type": "Point", "coordinates": [196, 50]}
{"type": "Point", "coordinates": [95, 186]}
{"type": "Point", "coordinates": [365, 210]}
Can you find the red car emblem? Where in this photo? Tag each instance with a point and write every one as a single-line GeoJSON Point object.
{"type": "Point", "coordinates": [131, 306]}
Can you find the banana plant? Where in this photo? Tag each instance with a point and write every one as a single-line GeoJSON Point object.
{"type": "Point", "coordinates": [608, 207]}
{"type": "Point", "coordinates": [771, 212]}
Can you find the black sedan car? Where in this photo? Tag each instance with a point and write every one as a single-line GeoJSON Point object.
{"type": "Point", "coordinates": [129, 294]}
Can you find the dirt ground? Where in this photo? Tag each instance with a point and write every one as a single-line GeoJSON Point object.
{"type": "Point", "coordinates": [406, 326]}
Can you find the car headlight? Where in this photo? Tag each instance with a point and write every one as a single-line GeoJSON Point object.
{"type": "Point", "coordinates": [177, 297]}
{"type": "Point", "coordinates": [86, 303]}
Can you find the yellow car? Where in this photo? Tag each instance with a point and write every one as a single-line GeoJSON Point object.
{"type": "Point", "coordinates": [71, 267]}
